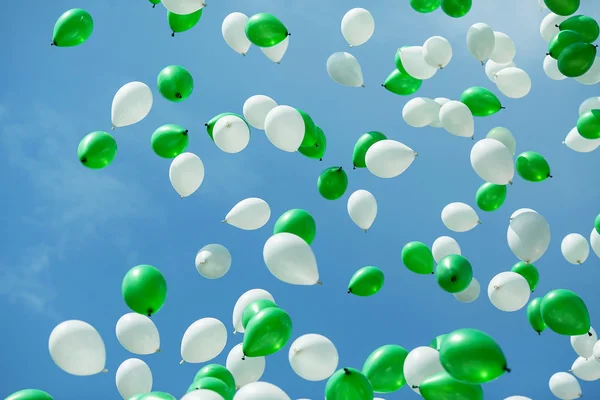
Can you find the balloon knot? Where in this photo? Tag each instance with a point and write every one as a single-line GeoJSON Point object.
{"type": "Point", "coordinates": [453, 279]}
{"type": "Point", "coordinates": [507, 369]}
{"type": "Point", "coordinates": [482, 63]}
{"type": "Point", "coordinates": [351, 46]}
{"type": "Point", "coordinates": [547, 54]}
{"type": "Point", "coordinates": [153, 5]}
{"type": "Point", "coordinates": [289, 34]}
{"type": "Point", "coordinates": [549, 176]}
{"type": "Point", "coordinates": [223, 221]}
{"type": "Point", "coordinates": [243, 356]}
{"type": "Point", "coordinates": [346, 371]}
{"type": "Point", "coordinates": [185, 132]}
{"type": "Point", "coordinates": [205, 124]}
{"type": "Point", "coordinates": [178, 95]}
{"type": "Point", "coordinates": [354, 167]}
{"type": "Point", "coordinates": [556, 25]}
{"type": "Point", "coordinates": [149, 312]}
{"type": "Point", "coordinates": [496, 287]}
{"type": "Point", "coordinates": [235, 332]}
{"type": "Point", "coordinates": [52, 44]}
{"type": "Point", "coordinates": [349, 291]}
{"type": "Point", "coordinates": [416, 154]}
{"type": "Point", "coordinates": [320, 159]}
{"type": "Point", "coordinates": [441, 67]}
{"type": "Point", "coordinates": [278, 63]}
{"type": "Point", "coordinates": [479, 222]}
{"type": "Point", "coordinates": [363, 85]}
{"type": "Point", "coordinates": [473, 137]}
{"type": "Point", "coordinates": [173, 34]}
{"type": "Point", "coordinates": [157, 351]}
{"type": "Point", "coordinates": [415, 387]}
{"type": "Point", "coordinates": [590, 334]}
{"type": "Point", "coordinates": [104, 371]}
{"type": "Point", "coordinates": [83, 160]}
{"type": "Point", "coordinates": [510, 183]}
{"type": "Point", "coordinates": [339, 169]}
{"type": "Point", "coordinates": [320, 283]}
{"type": "Point", "coordinates": [564, 142]}
{"type": "Point", "coordinates": [382, 85]}
{"type": "Point", "coordinates": [365, 231]}
{"type": "Point", "coordinates": [503, 108]}
{"type": "Point", "coordinates": [181, 362]}
{"type": "Point", "coordinates": [432, 273]}
{"type": "Point", "coordinates": [539, 333]}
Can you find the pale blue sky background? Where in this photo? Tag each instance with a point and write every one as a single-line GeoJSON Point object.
{"type": "Point", "coordinates": [70, 234]}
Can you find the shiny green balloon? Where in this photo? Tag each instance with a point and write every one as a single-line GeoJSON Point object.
{"type": "Point", "coordinates": [490, 197]}
{"type": "Point", "coordinates": [384, 368]}
{"type": "Point", "coordinates": [154, 3]}
{"type": "Point", "coordinates": [562, 7]}
{"type": "Point", "coordinates": [214, 385]}
{"type": "Point", "coordinates": [437, 342]}
{"type": "Point", "coordinates": [534, 315]}
{"type": "Point", "coordinates": [144, 289]}
{"type": "Point", "coordinates": [310, 130]}
{"type": "Point", "coordinates": [267, 332]}
{"type": "Point", "coordinates": [597, 223]}
{"type": "Point", "coordinates": [348, 384]}
{"type": "Point", "coordinates": [97, 149]}
{"type": "Point", "coordinates": [480, 101]}
{"type": "Point", "coordinates": [30, 394]}
{"type": "Point", "coordinates": [454, 273]}
{"type": "Point", "coordinates": [586, 26]}
{"type": "Point", "coordinates": [565, 313]}
{"type": "Point", "coordinates": [210, 125]}
{"type": "Point", "coordinates": [561, 41]}
{"type": "Point", "coordinates": [366, 281]}
{"type": "Point", "coordinates": [418, 258]}
{"type": "Point", "coordinates": [137, 396]}
{"type": "Point", "coordinates": [254, 308]}
{"type": "Point", "coordinates": [219, 372]}
{"type": "Point", "coordinates": [175, 83]}
{"type": "Point", "coordinates": [401, 83]}
{"type": "Point", "coordinates": [72, 28]}
{"type": "Point", "coordinates": [442, 386]}
{"type": "Point", "coordinates": [529, 272]}
{"type": "Point", "coordinates": [456, 8]}
{"type": "Point", "coordinates": [265, 30]}
{"type": "Point", "coordinates": [471, 356]}
{"type": "Point", "coordinates": [316, 151]}
{"type": "Point", "coordinates": [363, 144]}
{"type": "Point", "coordinates": [169, 140]}
{"type": "Point", "coordinates": [332, 183]}
{"type": "Point", "coordinates": [298, 222]}
{"type": "Point", "coordinates": [532, 167]}
{"type": "Point", "coordinates": [576, 59]}
{"type": "Point", "coordinates": [181, 23]}
{"type": "Point", "coordinates": [588, 125]}
{"type": "Point", "coordinates": [157, 396]}
{"type": "Point", "coordinates": [425, 6]}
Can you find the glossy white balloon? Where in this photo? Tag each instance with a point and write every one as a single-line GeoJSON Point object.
{"type": "Point", "coordinates": [414, 63]}
{"type": "Point", "coordinates": [213, 261]}
{"type": "Point", "coordinates": [131, 104]}
{"type": "Point", "coordinates": [459, 217]}
{"type": "Point", "coordinates": [578, 143]}
{"type": "Point", "coordinates": [138, 334]}
{"type": "Point", "coordinates": [313, 357]}
{"type": "Point", "coordinates": [233, 30]}
{"type": "Point", "coordinates": [492, 161]}
{"type": "Point", "coordinates": [284, 127]}
{"type": "Point", "coordinates": [509, 291]}
{"type": "Point", "coordinates": [362, 208]}
{"type": "Point", "coordinates": [444, 246]}
{"type": "Point", "coordinates": [519, 212]}
{"type": "Point", "coordinates": [358, 26]}
{"type": "Point", "coordinates": [595, 242]}
{"type": "Point", "coordinates": [249, 214]}
{"type": "Point", "coordinates": [589, 104]}
{"type": "Point", "coordinates": [77, 348]}
{"type": "Point", "coordinates": [586, 369]}
{"type": "Point", "coordinates": [290, 259]}
{"type": "Point", "coordinates": [504, 48]}
{"type": "Point", "coordinates": [528, 236]}
{"type": "Point", "coordinates": [260, 391]}
{"type": "Point", "coordinates": [575, 248]}
{"type": "Point", "coordinates": [551, 69]}
{"type": "Point", "coordinates": [421, 363]}
{"type": "Point", "coordinates": [596, 350]}
{"type": "Point", "coordinates": [345, 69]}
{"type": "Point", "coordinates": [437, 52]}
{"type": "Point", "coordinates": [256, 109]}
{"type": "Point", "coordinates": [203, 340]}
{"type": "Point", "coordinates": [202, 394]}
{"type": "Point", "coordinates": [389, 158]}
{"type": "Point", "coordinates": [564, 386]}
{"type": "Point", "coordinates": [505, 137]}
{"type": "Point", "coordinates": [276, 53]}
{"type": "Point", "coordinates": [549, 26]}
{"type": "Point", "coordinates": [584, 344]}
{"type": "Point", "coordinates": [439, 102]}
{"type": "Point", "coordinates": [243, 302]}
{"type": "Point", "coordinates": [183, 7]}
{"type": "Point", "coordinates": [457, 119]}
{"type": "Point", "coordinates": [513, 82]}
{"type": "Point", "coordinates": [492, 68]}
{"type": "Point", "coordinates": [592, 76]}
{"type": "Point", "coordinates": [186, 173]}
{"type": "Point", "coordinates": [231, 134]}
{"type": "Point", "coordinates": [133, 377]}
{"type": "Point", "coordinates": [245, 370]}
{"type": "Point", "coordinates": [470, 294]}
{"type": "Point", "coordinates": [480, 41]}
{"type": "Point", "coordinates": [420, 111]}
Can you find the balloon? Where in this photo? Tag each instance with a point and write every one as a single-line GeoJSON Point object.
{"type": "Point", "coordinates": [348, 384]}
{"type": "Point", "coordinates": [243, 302]}
{"type": "Point", "coordinates": [532, 167]}
{"type": "Point", "coordinates": [413, 62]}
{"type": "Point", "coordinates": [420, 112]}
{"type": "Point", "coordinates": [30, 394]}
{"type": "Point", "coordinates": [318, 150]}
{"type": "Point", "coordinates": [481, 101]}
{"type": "Point", "coordinates": [490, 197]}
{"type": "Point", "coordinates": [219, 372]}
{"type": "Point", "coordinates": [183, 7]}
{"type": "Point", "coordinates": [456, 8]}
{"type": "Point", "coordinates": [454, 273]}
{"type": "Point", "coordinates": [276, 53]}
{"type": "Point", "coordinates": [565, 313]}
{"type": "Point", "coordinates": [186, 173]}
{"type": "Point", "coordinates": [437, 342]}
{"type": "Point", "coordinates": [362, 146]}
{"type": "Point", "coordinates": [596, 350]}
{"type": "Point", "coordinates": [367, 281]}
{"type": "Point", "coordinates": [586, 26]}
{"type": "Point", "coordinates": [265, 30]}
{"type": "Point", "coordinates": [344, 69]}
{"type": "Point", "coordinates": [181, 23]}
{"type": "Point", "coordinates": [425, 6]}
{"type": "Point", "coordinates": [332, 183]}
{"type": "Point", "coordinates": [249, 214]}
{"type": "Point", "coordinates": [439, 102]}
{"type": "Point", "coordinates": [298, 222]}
{"type": "Point", "coordinates": [592, 103]}
{"type": "Point", "coordinates": [529, 272]}
{"type": "Point", "coordinates": [290, 259]}
{"type": "Point", "coordinates": [575, 248]}
{"type": "Point", "coordinates": [254, 308]}
{"type": "Point", "coordinates": [561, 41]}
{"type": "Point", "coordinates": [97, 149]}
{"type": "Point", "coordinates": [77, 348]}
{"type": "Point", "coordinates": [437, 52]}
{"type": "Point", "coordinates": [138, 334]}
{"type": "Point", "coordinates": [459, 217]}
{"type": "Point", "coordinates": [492, 68]}
{"type": "Point", "coordinates": [444, 246]}
{"type": "Point", "coordinates": [261, 391]}
{"type": "Point", "coordinates": [175, 83]}
{"type": "Point", "coordinates": [131, 104]}
{"type": "Point", "coordinates": [457, 119]}
{"type": "Point", "coordinates": [595, 242]}
{"type": "Point", "coordinates": [576, 142]}
{"type": "Point", "coordinates": [358, 26]}
{"type": "Point", "coordinates": [231, 134]}
{"type": "Point", "coordinates": [133, 377]}
{"type": "Point", "coordinates": [528, 236]}
{"type": "Point", "coordinates": [213, 261]}
{"type": "Point", "coordinates": [144, 289]}
{"type": "Point", "coordinates": [72, 28]}
{"type": "Point", "coordinates": [562, 7]}
{"type": "Point", "coordinates": [550, 26]}
{"type": "Point", "coordinates": [584, 344]}
{"type": "Point", "coordinates": [313, 357]}
{"type": "Point", "coordinates": [246, 370]}
{"type": "Point", "coordinates": [169, 141]}
{"type": "Point", "coordinates": [565, 386]}
{"type": "Point", "coordinates": [420, 364]}
{"type": "Point", "coordinates": [210, 125]}
{"type": "Point", "coordinates": [166, 396]}
{"type": "Point", "coordinates": [504, 48]}
{"type": "Point", "coordinates": [576, 59]}
{"type": "Point", "coordinates": [588, 125]}
{"type": "Point", "coordinates": [267, 332]}
{"type": "Point", "coordinates": [214, 385]}
{"type": "Point", "coordinates": [534, 315]}
{"type": "Point", "coordinates": [389, 158]}
{"type": "Point", "coordinates": [470, 294]}
{"type": "Point", "coordinates": [551, 69]}
{"type": "Point", "coordinates": [597, 223]}
{"type": "Point", "coordinates": [310, 132]}
{"type": "Point", "coordinates": [256, 109]}
{"type": "Point", "coordinates": [401, 83]}
{"type": "Point", "coordinates": [509, 291]}
{"type": "Point", "coordinates": [285, 128]}
{"type": "Point", "coordinates": [362, 208]}
{"type": "Point", "coordinates": [442, 385]}
{"type": "Point", "coordinates": [233, 30]}
{"type": "Point", "coordinates": [203, 340]}
{"type": "Point", "coordinates": [480, 41]}
{"type": "Point", "coordinates": [592, 76]}
{"type": "Point", "coordinates": [384, 368]}
{"type": "Point", "coordinates": [418, 258]}
{"type": "Point", "coordinates": [513, 82]}
{"type": "Point", "coordinates": [586, 369]}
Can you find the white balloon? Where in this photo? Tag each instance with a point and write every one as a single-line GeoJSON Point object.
{"type": "Point", "coordinates": [389, 158]}
{"type": "Point", "coordinates": [549, 26]}
{"type": "Point", "coordinates": [284, 127]}
{"type": "Point", "coordinates": [551, 69]}
{"type": "Point", "coordinates": [344, 69]}
{"type": "Point", "coordinates": [183, 7]}
{"type": "Point", "coordinates": [575, 248]}
{"type": "Point", "coordinates": [414, 63]}
{"type": "Point", "coordinates": [543, 6]}
{"type": "Point", "coordinates": [576, 142]}
{"type": "Point", "coordinates": [203, 340]}
{"type": "Point", "coordinates": [564, 386]}
{"type": "Point", "coordinates": [480, 41]}
{"type": "Point", "coordinates": [138, 334]}
{"type": "Point", "coordinates": [231, 134]}
{"type": "Point", "coordinates": [133, 377]}
{"type": "Point", "coordinates": [519, 212]}
{"type": "Point", "coordinates": [256, 109]}
{"type": "Point", "coordinates": [439, 101]}
{"type": "Point", "coordinates": [437, 52]}
{"type": "Point", "coordinates": [518, 397]}
{"type": "Point", "coordinates": [243, 302]}
{"type": "Point", "coordinates": [513, 82]}
{"type": "Point", "coordinates": [245, 370]}
{"type": "Point", "coordinates": [276, 53]}
{"type": "Point", "coordinates": [457, 119]}
{"type": "Point", "coordinates": [420, 111]}
{"type": "Point", "coordinates": [362, 208]}
{"type": "Point", "coordinates": [249, 214]}
{"type": "Point", "coordinates": [592, 103]}
{"type": "Point", "coordinates": [528, 236]}
{"type": "Point", "coordinates": [596, 350]}
{"type": "Point", "coordinates": [186, 173]}
{"type": "Point", "coordinates": [77, 348]}
{"type": "Point", "coordinates": [504, 48]}
{"type": "Point", "coordinates": [584, 344]}
{"type": "Point", "coordinates": [592, 76]}
{"type": "Point", "coordinates": [213, 261]}
{"type": "Point", "coordinates": [470, 294]}
{"type": "Point", "coordinates": [260, 391]}
{"type": "Point", "coordinates": [358, 26]}
{"type": "Point", "coordinates": [233, 30]}
{"type": "Point", "coordinates": [492, 68]}
{"type": "Point", "coordinates": [444, 246]}
{"type": "Point", "coordinates": [459, 217]}
{"type": "Point", "coordinates": [595, 242]}
{"type": "Point", "coordinates": [313, 357]}
{"type": "Point", "coordinates": [202, 394]}
{"type": "Point", "coordinates": [586, 369]}
{"type": "Point", "coordinates": [493, 161]}
{"type": "Point", "coordinates": [505, 137]}
{"type": "Point", "coordinates": [420, 364]}
{"type": "Point", "coordinates": [290, 259]}
{"type": "Point", "coordinates": [131, 104]}
{"type": "Point", "coordinates": [509, 291]}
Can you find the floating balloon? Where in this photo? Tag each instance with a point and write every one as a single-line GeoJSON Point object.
{"type": "Point", "coordinates": [437, 52]}
{"type": "Point", "coordinates": [529, 272]}
{"type": "Point", "coordinates": [592, 76]}
{"type": "Point", "coordinates": [490, 197]}
{"type": "Point", "coordinates": [133, 377]}
{"type": "Point", "coordinates": [575, 248]}
{"type": "Point", "coordinates": [233, 30]}
{"type": "Point", "coordinates": [364, 142]}
{"type": "Point", "coordinates": [417, 257]}
{"type": "Point", "coordinates": [183, 7]}
{"type": "Point", "coordinates": [317, 151]}
{"type": "Point", "coordinates": [256, 109]}
{"type": "Point", "coordinates": [254, 308]}
{"type": "Point", "coordinates": [265, 30]}
{"type": "Point", "coordinates": [439, 102]}
{"type": "Point", "coordinates": [181, 23]}
{"type": "Point", "coordinates": [249, 214]}
{"type": "Point", "coordinates": [313, 357]}
{"type": "Point", "coordinates": [505, 137]}
{"type": "Point", "coordinates": [344, 69]}
{"type": "Point", "coordinates": [231, 134]}
{"type": "Point", "coordinates": [454, 273]}
{"type": "Point", "coordinates": [586, 26]}
{"type": "Point", "coordinates": [131, 104]}
{"type": "Point", "coordinates": [401, 83]}
{"type": "Point", "coordinates": [532, 167]}
{"type": "Point", "coordinates": [492, 68]}
{"type": "Point", "coordinates": [588, 125]}
{"type": "Point", "coordinates": [589, 104]}
{"type": "Point", "coordinates": [169, 141]}
{"type": "Point", "coordinates": [437, 342]}
{"type": "Point", "coordinates": [30, 394]}
{"type": "Point", "coordinates": [218, 372]}
{"type": "Point", "coordinates": [457, 119]}
{"type": "Point", "coordinates": [213, 261]}
{"type": "Point", "coordinates": [154, 3]}
{"type": "Point", "coordinates": [175, 83]}
{"type": "Point", "coordinates": [425, 6]}
{"type": "Point", "coordinates": [285, 128]}
{"type": "Point", "coordinates": [459, 217]}
{"type": "Point", "coordinates": [332, 183]}
{"type": "Point", "coordinates": [384, 368]}
{"type": "Point", "coordinates": [138, 334]}
{"type": "Point", "coordinates": [276, 53]}
{"type": "Point", "coordinates": [456, 8]}
{"type": "Point", "coordinates": [597, 223]}
{"type": "Point", "coordinates": [513, 82]}
{"type": "Point", "coordinates": [244, 370]}
{"type": "Point", "coordinates": [565, 313]}
{"type": "Point", "coordinates": [470, 294]}
{"type": "Point", "coordinates": [144, 289]}
{"type": "Point", "coordinates": [481, 101]}
{"type": "Point", "coordinates": [561, 41]}
{"type": "Point", "coordinates": [167, 396]}
{"type": "Point", "coordinates": [72, 28]}
{"type": "Point", "coordinates": [444, 246]}
{"type": "Point", "coordinates": [186, 173]}
{"type": "Point", "coordinates": [358, 26]}
{"type": "Point", "coordinates": [420, 364]}
{"type": "Point", "coordinates": [551, 69]}
{"type": "Point", "coordinates": [215, 386]}
{"type": "Point", "coordinates": [298, 222]}
{"type": "Point", "coordinates": [584, 344]}
{"type": "Point", "coordinates": [310, 132]}
{"type": "Point", "coordinates": [203, 340]}
{"type": "Point", "coordinates": [550, 26]}
{"type": "Point", "coordinates": [534, 315]}
{"type": "Point", "coordinates": [509, 291]}
{"type": "Point", "coordinates": [577, 59]}
{"type": "Point", "coordinates": [290, 259]}
{"type": "Point", "coordinates": [504, 48]}
{"type": "Point", "coordinates": [480, 41]}
{"type": "Point", "coordinates": [210, 125]}
{"type": "Point", "coordinates": [420, 112]}
{"type": "Point", "coordinates": [261, 391]}
{"type": "Point", "coordinates": [362, 208]}
{"type": "Point", "coordinates": [267, 332]}
{"type": "Point", "coordinates": [562, 7]}
{"type": "Point", "coordinates": [367, 281]}
{"type": "Point", "coordinates": [576, 142]}
{"type": "Point", "coordinates": [389, 158]}
{"type": "Point", "coordinates": [595, 242]}
{"type": "Point", "coordinates": [97, 150]}
{"type": "Point", "coordinates": [565, 386]}
{"type": "Point", "coordinates": [413, 62]}
{"type": "Point", "coordinates": [77, 348]}
{"type": "Point", "coordinates": [443, 385]}
{"type": "Point", "coordinates": [243, 302]}
{"type": "Point", "coordinates": [348, 384]}
{"type": "Point", "coordinates": [586, 369]}
{"type": "Point", "coordinates": [528, 236]}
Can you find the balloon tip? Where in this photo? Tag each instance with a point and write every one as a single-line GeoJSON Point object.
{"type": "Point", "coordinates": [150, 311]}
{"type": "Point", "coordinates": [173, 34]}
{"type": "Point", "coordinates": [157, 351]}
{"type": "Point", "coordinates": [346, 371]}
{"type": "Point", "coordinates": [320, 283]}
{"type": "Point", "coordinates": [415, 387]}
{"type": "Point", "coordinates": [181, 362]}
{"type": "Point", "coordinates": [104, 371]}
{"type": "Point", "coordinates": [590, 334]}
{"type": "Point", "coordinates": [339, 169]}
{"type": "Point", "coordinates": [153, 5]}
{"type": "Point", "coordinates": [182, 196]}
{"type": "Point", "coordinates": [112, 128]}
{"type": "Point", "coordinates": [178, 95]}
{"type": "Point", "coordinates": [496, 287]}
{"type": "Point", "coordinates": [564, 142]}
{"type": "Point", "coordinates": [235, 332]}
{"type": "Point", "coordinates": [243, 54]}
{"type": "Point", "coordinates": [510, 183]}
{"type": "Point", "coordinates": [416, 154]}
{"type": "Point", "coordinates": [223, 221]}
{"type": "Point", "coordinates": [473, 137]}
{"type": "Point", "coordinates": [363, 85]}
{"type": "Point", "coordinates": [278, 63]}
{"type": "Point", "coordinates": [52, 44]}
{"type": "Point", "coordinates": [243, 357]}
{"type": "Point", "coordinates": [320, 159]}
{"type": "Point", "coordinates": [479, 222]}
{"type": "Point", "coordinates": [482, 64]}
{"type": "Point", "coordinates": [539, 333]}
{"type": "Point", "coordinates": [365, 231]}
{"type": "Point", "coordinates": [508, 370]}
{"type": "Point", "coordinates": [549, 176]}
{"type": "Point", "coordinates": [349, 291]}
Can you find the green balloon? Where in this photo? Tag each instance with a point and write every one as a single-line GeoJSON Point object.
{"type": "Point", "coordinates": [532, 167]}
{"type": "Point", "coordinates": [490, 197]}
{"type": "Point", "coordinates": [219, 372]}
{"type": "Point", "coordinates": [169, 140]}
{"type": "Point", "coordinates": [30, 394]}
{"type": "Point", "coordinates": [144, 289]}
{"type": "Point", "coordinates": [384, 368]}
{"type": "Point", "coordinates": [534, 315]}
{"type": "Point", "coordinates": [588, 125]}
{"type": "Point", "coordinates": [157, 396]}
{"type": "Point", "coordinates": [437, 342]}
{"type": "Point", "coordinates": [442, 386]}
{"type": "Point", "coordinates": [363, 144]}
{"type": "Point", "coordinates": [471, 356]}
{"type": "Point", "coordinates": [561, 41]}
{"type": "Point", "coordinates": [267, 332]}
{"type": "Point", "coordinates": [565, 313]}
{"type": "Point", "coordinates": [597, 223]}
{"type": "Point", "coordinates": [576, 59]}
{"type": "Point", "coordinates": [181, 23]}
{"type": "Point", "coordinates": [154, 3]}
{"type": "Point", "coordinates": [348, 384]}
{"type": "Point", "coordinates": [298, 222]}
{"type": "Point", "coordinates": [214, 385]}
{"type": "Point", "coordinates": [425, 6]}
{"type": "Point", "coordinates": [480, 101]}
{"type": "Point", "coordinates": [97, 149]}
{"type": "Point", "coordinates": [366, 281]}
{"type": "Point", "coordinates": [72, 28]}
{"type": "Point", "coordinates": [586, 26]}
{"type": "Point", "coordinates": [191, 388]}
{"type": "Point", "coordinates": [210, 125]}
{"type": "Point", "coordinates": [254, 308]}
{"type": "Point", "coordinates": [454, 273]}
{"type": "Point", "coordinates": [562, 7]}
{"type": "Point", "coordinates": [418, 258]}
{"type": "Point", "coordinates": [529, 272]}
{"type": "Point", "coordinates": [175, 83]}
{"type": "Point", "coordinates": [310, 131]}
{"type": "Point", "coordinates": [317, 151]}
{"type": "Point", "coordinates": [401, 83]}
{"type": "Point", "coordinates": [265, 30]}
{"type": "Point", "coordinates": [456, 8]}
{"type": "Point", "coordinates": [332, 183]}
{"type": "Point", "coordinates": [137, 396]}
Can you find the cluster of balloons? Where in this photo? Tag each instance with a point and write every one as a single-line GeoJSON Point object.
{"type": "Point", "coordinates": [575, 140]}
{"type": "Point", "coordinates": [452, 8]}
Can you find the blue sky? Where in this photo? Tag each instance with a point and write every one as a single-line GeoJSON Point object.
{"type": "Point", "coordinates": [70, 234]}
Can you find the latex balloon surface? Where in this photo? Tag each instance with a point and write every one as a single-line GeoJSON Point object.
{"type": "Point", "coordinates": [561, 41]}
{"type": "Point", "coordinates": [421, 363]}
{"type": "Point", "coordinates": [481, 101]}
{"type": "Point", "coordinates": [565, 313]}
{"type": "Point", "coordinates": [389, 158]}
{"type": "Point", "coordinates": [175, 83]}
{"type": "Point", "coordinates": [480, 41]}
{"type": "Point", "coordinates": [585, 26]}
{"type": "Point", "coordinates": [72, 28]}
{"type": "Point", "coordinates": [276, 53]}
{"type": "Point", "coordinates": [231, 134]}
{"type": "Point", "coordinates": [215, 386]}
{"type": "Point", "coordinates": [505, 137]}
{"type": "Point", "coordinates": [144, 289]}
{"type": "Point", "coordinates": [425, 6]}
{"type": "Point", "coordinates": [285, 128]}
{"type": "Point", "coordinates": [344, 69]}
{"type": "Point", "coordinates": [534, 315]}
{"type": "Point", "coordinates": [457, 119]}
{"type": "Point", "coordinates": [183, 7]}
{"type": "Point", "coordinates": [362, 145]}
{"type": "Point", "coordinates": [254, 308]}
{"type": "Point", "coordinates": [244, 300]}
{"type": "Point", "coordinates": [513, 82]}
{"type": "Point", "coordinates": [575, 141]}
{"type": "Point", "coordinates": [332, 183]}
{"type": "Point", "coordinates": [492, 161]}
{"type": "Point", "coordinates": [244, 370]}
{"type": "Point", "coordinates": [317, 151]}
{"type": "Point", "coordinates": [186, 173]}
{"type": "Point", "coordinates": [577, 59]}
{"type": "Point", "coordinates": [203, 340]}
{"type": "Point", "coordinates": [366, 281]}
{"type": "Point", "coordinates": [562, 7]}
{"type": "Point", "coordinates": [588, 124]}
{"type": "Point", "coordinates": [509, 291]}
{"type": "Point", "coordinates": [313, 357]}
{"type": "Point", "coordinates": [420, 112]}
{"type": "Point", "coordinates": [437, 52]}
{"type": "Point", "coordinates": [213, 261]}
{"type": "Point", "coordinates": [310, 130]}
{"type": "Point", "coordinates": [490, 197]}
{"type": "Point", "coordinates": [267, 332]}
{"type": "Point", "coordinates": [138, 334]}
{"type": "Point", "coordinates": [30, 394]}
{"type": "Point", "coordinates": [362, 208]}
{"type": "Point", "coordinates": [233, 30]}
{"type": "Point", "coordinates": [401, 83]}
{"type": "Point", "coordinates": [265, 30]}
{"type": "Point", "coordinates": [384, 368]}
{"type": "Point", "coordinates": [454, 273]}
{"type": "Point", "coordinates": [492, 68]}
{"type": "Point", "coordinates": [358, 26]}
{"type": "Point", "coordinates": [504, 48]}
{"type": "Point", "coordinates": [261, 391]}
{"type": "Point", "coordinates": [528, 235]}
{"type": "Point", "coordinates": [459, 217]}
{"type": "Point", "coordinates": [413, 62]}
{"type": "Point", "coordinates": [348, 384]}
{"type": "Point", "coordinates": [532, 167]}
{"type": "Point", "coordinates": [529, 272]}
{"type": "Point", "coordinates": [97, 150]}
{"type": "Point", "coordinates": [575, 248]}
{"type": "Point", "coordinates": [256, 109]}
{"type": "Point", "coordinates": [444, 386]}
{"type": "Point", "coordinates": [444, 246]}
{"type": "Point", "coordinates": [133, 377]}
{"type": "Point", "coordinates": [219, 372]}
{"type": "Point", "coordinates": [418, 258]}
{"type": "Point", "coordinates": [298, 222]}
{"type": "Point", "coordinates": [584, 344]}
{"type": "Point", "coordinates": [77, 348]}
{"type": "Point", "coordinates": [131, 104]}
{"type": "Point", "coordinates": [564, 386]}
{"type": "Point", "coordinates": [456, 8]}
{"type": "Point", "coordinates": [470, 294]}
{"type": "Point", "coordinates": [182, 23]}
{"type": "Point", "coordinates": [249, 214]}
{"type": "Point", "coordinates": [169, 141]}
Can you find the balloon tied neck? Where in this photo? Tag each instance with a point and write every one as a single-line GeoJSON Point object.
{"type": "Point", "coordinates": [339, 169]}
{"type": "Point", "coordinates": [223, 221]}
{"type": "Point", "coordinates": [346, 371]}
{"type": "Point", "coordinates": [316, 144]}
{"type": "Point", "coordinates": [181, 362]}
{"type": "Point", "coordinates": [104, 371]}
{"type": "Point", "coordinates": [320, 283]}
{"type": "Point", "coordinates": [278, 63]}
{"type": "Point", "coordinates": [479, 222]}
{"type": "Point", "coordinates": [496, 287]}
{"type": "Point", "coordinates": [52, 44]}
{"type": "Point", "coordinates": [363, 85]}
{"type": "Point", "coordinates": [432, 273]}
{"type": "Point", "coordinates": [549, 176]}
{"type": "Point", "coordinates": [366, 231]}
{"type": "Point", "coordinates": [320, 159]}
{"type": "Point", "coordinates": [243, 357]}
{"type": "Point", "coordinates": [243, 54]}
{"type": "Point", "coordinates": [547, 54]}
{"type": "Point", "coordinates": [556, 25]}
{"type": "Point", "coordinates": [83, 160]}
{"type": "Point", "coordinates": [473, 137]}
{"type": "Point", "coordinates": [415, 387]}
{"type": "Point", "coordinates": [354, 167]}
{"type": "Point", "coordinates": [539, 333]}
{"type": "Point", "coordinates": [173, 34]}
{"type": "Point", "coordinates": [235, 332]}
{"type": "Point", "coordinates": [507, 369]}
{"type": "Point", "coordinates": [112, 128]}
{"type": "Point", "coordinates": [205, 124]}
{"type": "Point", "coordinates": [349, 291]}
{"type": "Point", "coordinates": [503, 108]}
{"type": "Point", "coordinates": [590, 334]}
{"type": "Point", "coordinates": [150, 311]}
{"type": "Point", "coordinates": [482, 64]}
{"type": "Point", "coordinates": [510, 183]}
{"type": "Point", "coordinates": [153, 5]}
{"type": "Point", "coordinates": [289, 34]}
{"type": "Point", "coordinates": [185, 132]}
{"type": "Point", "coordinates": [157, 351]}
{"type": "Point", "coordinates": [178, 95]}
{"type": "Point", "coordinates": [453, 279]}
{"type": "Point", "coordinates": [416, 154]}
{"type": "Point", "coordinates": [382, 85]}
